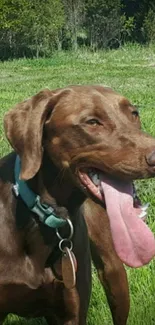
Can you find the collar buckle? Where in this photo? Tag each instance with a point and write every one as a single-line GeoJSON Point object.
{"type": "Point", "coordinates": [32, 201]}
{"type": "Point", "coordinates": [46, 214]}
{"type": "Point", "coordinates": [42, 209]}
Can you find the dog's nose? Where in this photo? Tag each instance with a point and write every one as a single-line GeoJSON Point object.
{"type": "Point", "coordinates": [150, 158]}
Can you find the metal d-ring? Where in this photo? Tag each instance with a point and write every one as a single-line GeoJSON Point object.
{"type": "Point", "coordinates": [71, 231]}
{"type": "Point", "coordinates": [66, 241]}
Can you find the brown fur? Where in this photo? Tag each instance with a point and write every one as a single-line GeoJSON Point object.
{"type": "Point", "coordinates": [52, 135]}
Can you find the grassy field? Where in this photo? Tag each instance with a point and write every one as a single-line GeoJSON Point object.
{"type": "Point", "coordinates": [130, 71]}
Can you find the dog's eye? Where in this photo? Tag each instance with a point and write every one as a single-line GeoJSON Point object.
{"type": "Point", "coordinates": [135, 113]}
{"type": "Point", "coordinates": [93, 121]}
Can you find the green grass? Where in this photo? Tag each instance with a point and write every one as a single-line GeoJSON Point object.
{"type": "Point", "coordinates": [130, 71]}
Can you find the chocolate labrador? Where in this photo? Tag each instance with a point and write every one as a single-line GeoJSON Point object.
{"type": "Point", "coordinates": [76, 150]}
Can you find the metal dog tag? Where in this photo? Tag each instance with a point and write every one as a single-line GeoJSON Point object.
{"type": "Point", "coordinates": [69, 267]}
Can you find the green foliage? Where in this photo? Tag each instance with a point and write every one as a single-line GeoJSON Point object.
{"type": "Point", "coordinates": [149, 26]}
{"type": "Point", "coordinates": [41, 25]}
{"type": "Point", "coordinates": [102, 22]}
{"type": "Point", "coordinates": [35, 28]}
{"type": "Point", "coordinates": [30, 27]}
{"type": "Point", "coordinates": [74, 18]}
{"type": "Point", "coordinates": [128, 26]}
{"type": "Point", "coordinates": [11, 12]}
{"type": "Point", "coordinates": [139, 10]}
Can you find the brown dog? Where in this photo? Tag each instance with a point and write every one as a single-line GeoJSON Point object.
{"type": "Point", "coordinates": [64, 138]}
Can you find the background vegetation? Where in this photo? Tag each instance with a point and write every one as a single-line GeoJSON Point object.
{"type": "Point", "coordinates": [34, 28]}
{"type": "Point", "coordinates": [130, 70]}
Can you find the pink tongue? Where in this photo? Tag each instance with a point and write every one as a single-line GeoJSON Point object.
{"type": "Point", "coordinates": [133, 240]}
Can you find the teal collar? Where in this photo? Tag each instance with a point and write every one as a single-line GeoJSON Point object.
{"type": "Point", "coordinates": [32, 200]}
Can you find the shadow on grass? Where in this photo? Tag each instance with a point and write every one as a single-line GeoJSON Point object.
{"type": "Point", "coordinates": [15, 320]}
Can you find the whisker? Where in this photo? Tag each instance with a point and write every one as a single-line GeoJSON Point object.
{"type": "Point", "coordinates": [60, 175]}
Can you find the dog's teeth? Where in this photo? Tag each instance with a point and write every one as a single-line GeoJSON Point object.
{"type": "Point", "coordinates": [91, 174]}
{"type": "Point", "coordinates": [142, 214]}
{"type": "Point", "coordinates": [145, 207]}
{"type": "Point", "coordinates": [95, 179]}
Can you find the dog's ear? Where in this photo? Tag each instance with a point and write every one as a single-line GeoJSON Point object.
{"type": "Point", "coordinates": [24, 129]}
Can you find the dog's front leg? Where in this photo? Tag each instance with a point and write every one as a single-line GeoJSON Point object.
{"type": "Point", "coordinates": [112, 275]}
{"type": "Point", "coordinates": [110, 269]}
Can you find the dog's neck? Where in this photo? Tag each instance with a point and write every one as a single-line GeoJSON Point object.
{"type": "Point", "coordinates": [51, 183]}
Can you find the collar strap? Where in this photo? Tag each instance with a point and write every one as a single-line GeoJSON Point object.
{"type": "Point", "coordinates": [32, 200]}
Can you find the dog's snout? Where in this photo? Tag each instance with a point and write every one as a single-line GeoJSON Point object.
{"type": "Point", "coordinates": [150, 158]}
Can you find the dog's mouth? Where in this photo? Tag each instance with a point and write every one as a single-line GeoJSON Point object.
{"type": "Point", "coordinates": [133, 240]}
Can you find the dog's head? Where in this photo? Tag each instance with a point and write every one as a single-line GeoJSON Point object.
{"type": "Point", "coordinates": [95, 134]}
{"type": "Point", "coordinates": [81, 127]}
